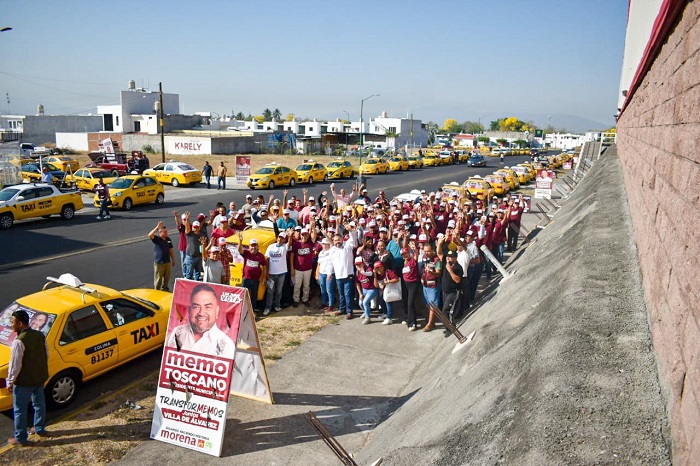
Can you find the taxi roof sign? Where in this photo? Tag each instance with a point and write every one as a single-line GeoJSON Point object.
{"type": "Point", "coordinates": [68, 279]}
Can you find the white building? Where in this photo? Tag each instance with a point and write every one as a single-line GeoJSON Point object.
{"type": "Point", "coordinates": [564, 140]}
{"type": "Point", "coordinates": [136, 112]}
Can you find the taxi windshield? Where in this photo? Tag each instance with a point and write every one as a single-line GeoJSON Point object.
{"type": "Point", "coordinates": [38, 320]}
{"type": "Point", "coordinates": [7, 194]}
{"type": "Point", "coordinates": [121, 183]}
{"type": "Point", "coordinates": [475, 184]}
{"type": "Point", "coordinates": [304, 167]}
{"type": "Point", "coordinates": [186, 167]}
{"type": "Point", "coordinates": [265, 171]}
{"type": "Point", "coordinates": [335, 164]}
{"type": "Point", "coordinates": [101, 174]}
{"type": "Point", "coordinates": [494, 179]}
{"type": "Point", "coordinates": [371, 161]}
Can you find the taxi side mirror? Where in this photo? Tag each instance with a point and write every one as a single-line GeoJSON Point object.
{"type": "Point", "coordinates": [20, 198]}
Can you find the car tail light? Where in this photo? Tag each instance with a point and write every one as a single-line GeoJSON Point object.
{"type": "Point", "coordinates": [185, 175]}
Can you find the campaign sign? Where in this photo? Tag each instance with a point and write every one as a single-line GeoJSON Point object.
{"type": "Point", "coordinates": [527, 202]}
{"type": "Point", "coordinates": [242, 169]}
{"type": "Point", "coordinates": [197, 365]}
{"type": "Point", "coordinates": [544, 183]}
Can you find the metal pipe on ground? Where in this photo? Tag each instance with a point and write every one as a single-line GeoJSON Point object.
{"type": "Point", "coordinates": [494, 261]}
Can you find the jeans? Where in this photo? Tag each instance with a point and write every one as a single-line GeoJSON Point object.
{"type": "Point", "coordinates": [345, 294]}
{"type": "Point", "coordinates": [104, 211]}
{"type": "Point", "coordinates": [389, 309]}
{"type": "Point", "coordinates": [431, 296]}
{"type": "Point", "coordinates": [221, 180]}
{"type": "Point", "coordinates": [367, 297]}
{"type": "Point", "coordinates": [275, 296]}
{"type": "Point", "coordinates": [182, 262]}
{"type": "Point", "coordinates": [499, 249]}
{"type": "Point", "coordinates": [302, 282]}
{"type": "Point", "coordinates": [252, 286]}
{"type": "Point", "coordinates": [410, 301]}
{"type": "Point", "coordinates": [207, 178]}
{"type": "Point", "coordinates": [192, 268]}
{"type": "Point", "coordinates": [513, 232]}
{"type": "Point", "coordinates": [20, 405]}
{"type": "Point", "coordinates": [474, 278]}
{"type": "Point", "coordinates": [328, 288]}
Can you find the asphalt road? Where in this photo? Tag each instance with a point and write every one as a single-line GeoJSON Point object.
{"type": "Point", "coordinates": [116, 252]}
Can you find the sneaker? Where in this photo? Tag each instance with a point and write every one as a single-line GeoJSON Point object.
{"type": "Point", "coordinates": [412, 328]}
{"type": "Point", "coordinates": [329, 309]}
{"type": "Point", "coordinates": [338, 313]}
{"type": "Point", "coordinates": [386, 321]}
{"type": "Point", "coordinates": [108, 216]}
{"type": "Point", "coordinates": [366, 320]}
{"type": "Point", "coordinates": [295, 304]}
{"type": "Point", "coordinates": [266, 312]}
{"type": "Point", "coordinates": [403, 322]}
{"type": "Point", "coordinates": [277, 309]}
{"type": "Point", "coordinates": [349, 316]}
{"type": "Point", "coordinates": [99, 217]}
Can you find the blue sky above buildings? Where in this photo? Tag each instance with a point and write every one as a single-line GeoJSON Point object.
{"type": "Point", "coordinates": [442, 59]}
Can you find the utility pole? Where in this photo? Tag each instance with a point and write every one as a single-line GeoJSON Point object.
{"type": "Point", "coordinates": [161, 121]}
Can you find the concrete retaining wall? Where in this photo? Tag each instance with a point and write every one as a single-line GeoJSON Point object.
{"type": "Point", "coordinates": [658, 136]}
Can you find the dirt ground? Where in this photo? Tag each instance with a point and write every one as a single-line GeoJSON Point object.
{"type": "Point", "coordinates": [106, 429]}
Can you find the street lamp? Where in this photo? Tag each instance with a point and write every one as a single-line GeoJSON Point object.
{"type": "Point", "coordinates": [346, 134]}
{"type": "Point", "coordinates": [362, 129]}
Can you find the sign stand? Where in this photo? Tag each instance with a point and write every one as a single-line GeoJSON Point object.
{"type": "Point", "coordinates": [452, 328]}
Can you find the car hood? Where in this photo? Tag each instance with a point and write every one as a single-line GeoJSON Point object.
{"type": "Point", "coordinates": [163, 299]}
{"type": "Point", "coordinates": [4, 356]}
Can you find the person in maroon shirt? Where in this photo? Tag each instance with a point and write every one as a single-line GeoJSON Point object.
{"type": "Point", "coordinates": [253, 263]}
{"type": "Point", "coordinates": [366, 289]}
{"type": "Point", "coordinates": [182, 244]}
{"type": "Point", "coordinates": [498, 240]}
{"type": "Point", "coordinates": [382, 277]}
{"type": "Point", "coordinates": [303, 255]}
{"type": "Point", "coordinates": [516, 213]}
{"type": "Point", "coordinates": [410, 279]}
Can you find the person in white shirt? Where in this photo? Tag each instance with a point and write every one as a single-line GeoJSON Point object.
{"type": "Point", "coordinates": [325, 276]}
{"type": "Point", "coordinates": [201, 334]}
{"type": "Point", "coordinates": [276, 272]}
{"type": "Point", "coordinates": [342, 258]}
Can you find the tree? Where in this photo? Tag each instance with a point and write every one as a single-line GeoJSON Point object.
{"type": "Point", "coordinates": [520, 143]}
{"type": "Point", "coordinates": [277, 115]}
{"type": "Point", "coordinates": [260, 118]}
{"type": "Point", "coordinates": [240, 116]}
{"type": "Point", "coordinates": [451, 126]}
{"type": "Point", "coordinates": [501, 141]}
{"type": "Point", "coordinates": [484, 139]}
{"type": "Point", "coordinates": [510, 124]}
{"type": "Point", "coordinates": [290, 117]}
{"type": "Point", "coordinates": [267, 114]}
{"type": "Point", "coordinates": [495, 125]}
{"type": "Point", "coordinates": [432, 129]}
{"type": "Point", "coordinates": [249, 117]}
{"type": "Point", "coordinates": [472, 127]}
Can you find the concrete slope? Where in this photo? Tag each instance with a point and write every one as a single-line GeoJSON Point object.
{"type": "Point", "coordinates": [561, 370]}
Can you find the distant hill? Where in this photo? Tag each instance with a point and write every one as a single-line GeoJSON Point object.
{"type": "Point", "coordinates": [573, 123]}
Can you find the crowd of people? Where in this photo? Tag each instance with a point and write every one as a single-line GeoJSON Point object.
{"type": "Point", "coordinates": [391, 257]}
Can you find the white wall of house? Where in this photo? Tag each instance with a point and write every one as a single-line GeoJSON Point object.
{"type": "Point", "coordinates": [564, 140]}
{"type": "Point", "coordinates": [75, 141]}
{"type": "Point", "coordinates": [187, 145]}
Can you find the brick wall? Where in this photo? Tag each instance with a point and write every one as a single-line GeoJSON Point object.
{"type": "Point", "coordinates": [658, 144]}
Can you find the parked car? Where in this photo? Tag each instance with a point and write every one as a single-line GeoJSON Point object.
{"type": "Point", "coordinates": [25, 201]}
{"type": "Point", "coordinates": [131, 190]}
{"type": "Point", "coordinates": [175, 173]}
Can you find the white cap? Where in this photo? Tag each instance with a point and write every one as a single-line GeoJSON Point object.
{"type": "Point", "coordinates": [213, 249]}
{"type": "Point", "coordinates": [312, 198]}
{"type": "Point", "coordinates": [422, 238]}
{"type": "Point", "coordinates": [286, 212]}
{"type": "Point", "coordinates": [222, 240]}
{"type": "Point", "coordinates": [253, 241]}
{"type": "Point", "coordinates": [195, 224]}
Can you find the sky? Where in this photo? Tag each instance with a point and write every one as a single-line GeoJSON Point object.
{"type": "Point", "coordinates": [463, 59]}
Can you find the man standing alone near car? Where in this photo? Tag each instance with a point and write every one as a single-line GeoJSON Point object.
{"type": "Point", "coordinates": [221, 174]}
{"type": "Point", "coordinates": [163, 257]}
{"type": "Point", "coordinates": [102, 191]}
{"type": "Point", "coordinates": [27, 372]}
{"type": "Point", "coordinates": [207, 172]}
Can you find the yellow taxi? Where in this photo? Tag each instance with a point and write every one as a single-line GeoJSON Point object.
{"type": "Point", "coordinates": [265, 234]}
{"type": "Point", "coordinates": [311, 171]}
{"type": "Point", "coordinates": [339, 169]}
{"type": "Point", "coordinates": [532, 173]}
{"type": "Point", "coordinates": [31, 172]}
{"type": "Point", "coordinates": [523, 174]}
{"type": "Point", "coordinates": [272, 175]}
{"type": "Point", "coordinates": [131, 190]}
{"type": "Point", "coordinates": [398, 163]}
{"type": "Point", "coordinates": [555, 162]}
{"type": "Point", "coordinates": [462, 155]}
{"type": "Point", "coordinates": [415, 161]}
{"type": "Point", "coordinates": [509, 176]}
{"type": "Point", "coordinates": [374, 166]}
{"type": "Point", "coordinates": [90, 329]}
{"type": "Point", "coordinates": [175, 173]}
{"type": "Point", "coordinates": [87, 178]}
{"type": "Point", "coordinates": [479, 187]}
{"type": "Point", "coordinates": [499, 184]}
{"type": "Point", "coordinates": [431, 159]}
{"type": "Point", "coordinates": [33, 200]}
{"type": "Point", "coordinates": [64, 162]}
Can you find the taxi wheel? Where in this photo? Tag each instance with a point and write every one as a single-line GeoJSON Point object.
{"type": "Point", "coordinates": [175, 183]}
{"type": "Point", "coordinates": [115, 173]}
{"type": "Point", "coordinates": [67, 212]}
{"type": "Point", "coordinates": [325, 177]}
{"type": "Point", "coordinates": [128, 204]}
{"type": "Point", "coordinates": [6, 221]}
{"type": "Point", "coordinates": [271, 185]}
{"type": "Point", "coordinates": [292, 182]}
{"type": "Point", "coordinates": [160, 198]}
{"type": "Point", "coordinates": [311, 180]}
{"type": "Point", "coordinates": [61, 390]}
